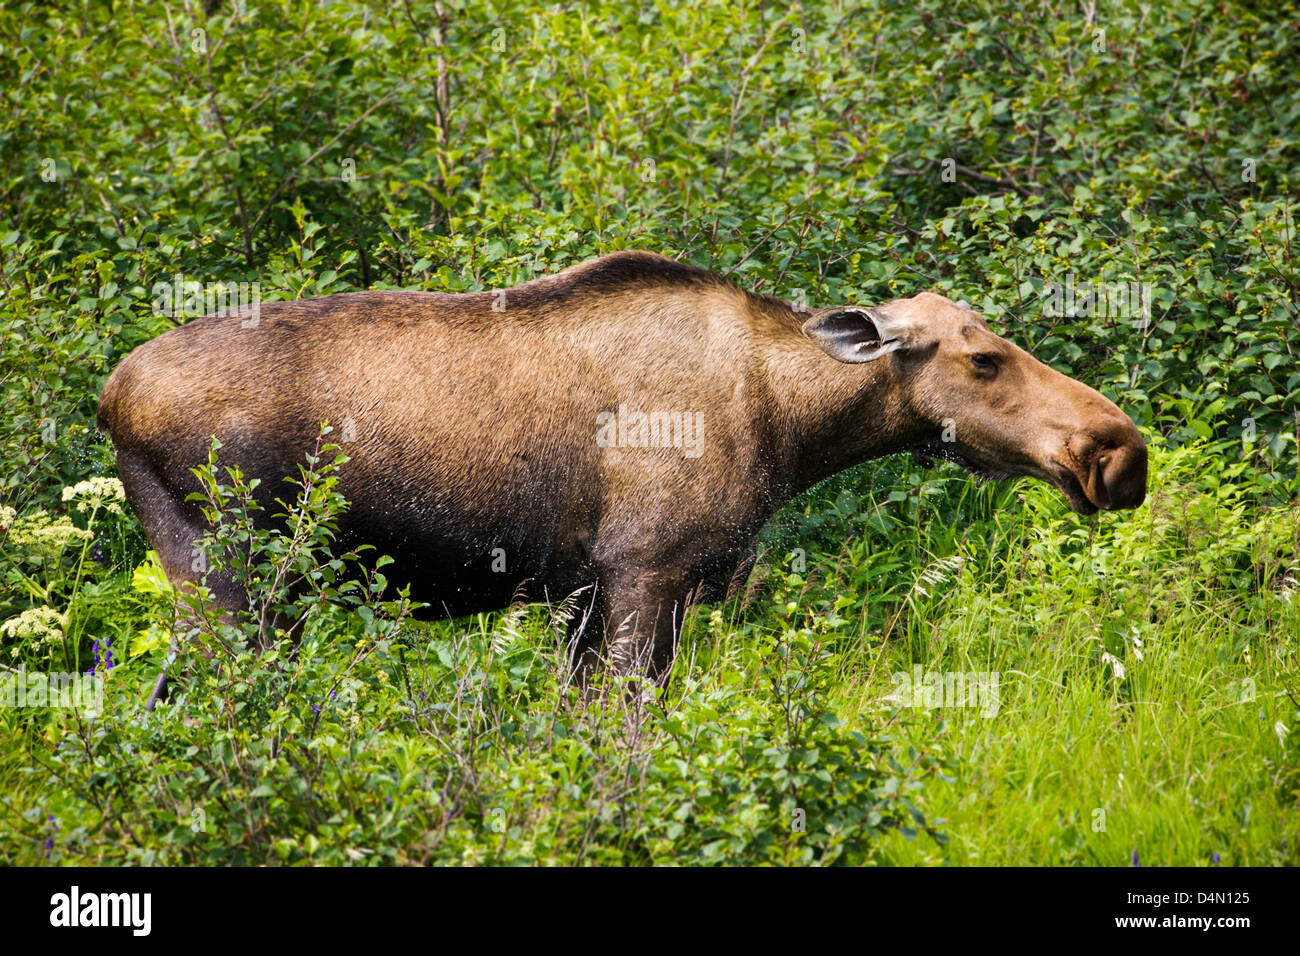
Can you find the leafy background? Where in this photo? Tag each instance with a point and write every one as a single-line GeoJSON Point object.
{"type": "Point", "coordinates": [824, 152]}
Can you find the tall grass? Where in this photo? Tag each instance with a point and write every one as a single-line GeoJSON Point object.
{"type": "Point", "coordinates": [1146, 662]}
{"type": "Point", "coordinates": [1142, 667]}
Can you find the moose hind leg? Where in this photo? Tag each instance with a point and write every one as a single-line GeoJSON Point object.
{"type": "Point", "coordinates": [173, 530]}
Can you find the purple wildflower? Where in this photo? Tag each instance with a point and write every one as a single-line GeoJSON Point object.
{"type": "Point", "coordinates": [49, 841]}
{"type": "Point", "coordinates": [104, 660]}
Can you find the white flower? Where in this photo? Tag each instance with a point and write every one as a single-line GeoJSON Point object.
{"type": "Point", "coordinates": [95, 493]}
{"type": "Point", "coordinates": [42, 535]}
{"type": "Point", "coordinates": [41, 624]}
{"type": "Point", "coordinates": [1136, 643]}
{"type": "Point", "coordinates": [1116, 665]}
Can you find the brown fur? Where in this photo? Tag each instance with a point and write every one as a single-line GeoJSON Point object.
{"type": "Point", "coordinates": [475, 429]}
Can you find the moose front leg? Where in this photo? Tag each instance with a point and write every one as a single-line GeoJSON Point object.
{"type": "Point", "coordinates": [642, 614]}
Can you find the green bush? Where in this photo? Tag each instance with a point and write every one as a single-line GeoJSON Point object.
{"type": "Point", "coordinates": [822, 152]}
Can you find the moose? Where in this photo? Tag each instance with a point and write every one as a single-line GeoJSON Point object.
{"type": "Point", "coordinates": [621, 428]}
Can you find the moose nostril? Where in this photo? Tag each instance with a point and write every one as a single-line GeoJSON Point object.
{"type": "Point", "coordinates": [1122, 476]}
{"type": "Point", "coordinates": [1108, 461]}
{"type": "Point", "coordinates": [1101, 490]}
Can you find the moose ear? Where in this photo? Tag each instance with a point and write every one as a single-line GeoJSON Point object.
{"type": "Point", "coordinates": [856, 333]}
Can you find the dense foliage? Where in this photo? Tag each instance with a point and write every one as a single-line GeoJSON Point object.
{"type": "Point", "coordinates": [824, 152]}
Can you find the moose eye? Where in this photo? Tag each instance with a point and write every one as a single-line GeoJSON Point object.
{"type": "Point", "coordinates": [985, 363]}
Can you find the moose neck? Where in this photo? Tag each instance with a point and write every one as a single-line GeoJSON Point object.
{"type": "Point", "coordinates": [831, 415]}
